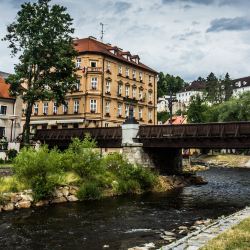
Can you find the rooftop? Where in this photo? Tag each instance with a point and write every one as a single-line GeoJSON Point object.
{"type": "Point", "coordinates": [90, 44]}
{"type": "Point", "coordinates": [241, 82]}
{"type": "Point", "coordinates": [194, 86]}
{"type": "Point", "coordinates": [4, 89]}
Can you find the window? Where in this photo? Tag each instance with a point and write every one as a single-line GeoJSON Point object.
{"type": "Point", "coordinates": [107, 86]}
{"type": "Point", "coordinates": [76, 106]}
{"type": "Point", "coordinates": [127, 72]}
{"type": "Point", "coordinates": [94, 82]}
{"type": "Point", "coordinates": [55, 108]}
{"type": "Point", "coordinates": [140, 76]}
{"type": "Point", "coordinates": [107, 107]}
{"type": "Point", "coordinates": [140, 94]}
{"type": "Point", "coordinates": [119, 89]}
{"type": "Point", "coordinates": [75, 125]}
{"type": "Point", "coordinates": [93, 64]}
{"type": "Point", "coordinates": [150, 115]}
{"type": "Point", "coordinates": [127, 91]}
{"type": "Point", "coordinates": [150, 96]}
{"type": "Point", "coordinates": [134, 92]}
{"type": "Point", "coordinates": [3, 110]}
{"type": "Point", "coordinates": [78, 62]}
{"type": "Point", "coordinates": [127, 110]}
{"type": "Point", "coordinates": [140, 113]}
{"type": "Point", "coordinates": [64, 125]}
{"type": "Point", "coordinates": [120, 69]}
{"type": "Point", "coordinates": [65, 108]}
{"type": "Point", "coordinates": [106, 124]}
{"type": "Point", "coordinates": [93, 106]}
{"type": "Point", "coordinates": [119, 109]}
{"type": "Point", "coordinates": [108, 66]}
{"type": "Point", "coordinates": [134, 74]}
{"type": "Point", "coordinates": [78, 83]}
{"type": "Point", "coordinates": [149, 79]}
{"type": "Point", "coordinates": [45, 108]}
{"type": "Point", "coordinates": [35, 109]}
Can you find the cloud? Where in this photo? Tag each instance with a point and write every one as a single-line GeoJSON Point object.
{"type": "Point", "coordinates": [122, 6]}
{"type": "Point", "coordinates": [230, 24]}
{"type": "Point", "coordinates": [204, 2]}
{"type": "Point", "coordinates": [184, 36]}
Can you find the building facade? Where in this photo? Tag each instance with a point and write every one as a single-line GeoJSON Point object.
{"type": "Point", "coordinates": [110, 81]}
{"type": "Point", "coordinates": [185, 96]}
{"type": "Point", "coordinates": [10, 113]}
{"type": "Point", "coordinates": [241, 86]}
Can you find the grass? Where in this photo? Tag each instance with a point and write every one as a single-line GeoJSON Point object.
{"type": "Point", "coordinates": [3, 165]}
{"type": "Point", "coordinates": [236, 238]}
{"type": "Point", "coordinates": [11, 184]}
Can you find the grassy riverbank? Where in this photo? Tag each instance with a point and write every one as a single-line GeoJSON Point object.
{"type": "Point", "coordinates": [238, 237]}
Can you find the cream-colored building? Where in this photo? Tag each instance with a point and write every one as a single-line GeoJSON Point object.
{"type": "Point", "coordinates": [10, 113]}
{"type": "Point", "coordinates": [110, 80]}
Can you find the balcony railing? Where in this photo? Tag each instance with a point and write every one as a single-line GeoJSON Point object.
{"type": "Point", "coordinates": [94, 69]}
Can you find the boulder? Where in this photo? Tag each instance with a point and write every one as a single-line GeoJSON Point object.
{"type": "Point", "coordinates": [59, 200]}
{"type": "Point", "coordinates": [167, 233]}
{"type": "Point", "coordinates": [15, 197]}
{"type": "Point", "coordinates": [57, 193]}
{"type": "Point", "coordinates": [23, 204]}
{"type": "Point", "coordinates": [72, 198]}
{"type": "Point", "coordinates": [73, 190]}
{"type": "Point", "coordinates": [65, 191]}
{"type": "Point", "coordinates": [8, 207]}
{"type": "Point", "coordinates": [27, 197]}
{"type": "Point", "coordinates": [42, 203]}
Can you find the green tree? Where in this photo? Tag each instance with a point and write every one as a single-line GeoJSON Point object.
{"type": "Point", "coordinates": [212, 88]}
{"type": "Point", "coordinates": [197, 110]}
{"type": "Point", "coordinates": [228, 87]}
{"type": "Point", "coordinates": [42, 37]}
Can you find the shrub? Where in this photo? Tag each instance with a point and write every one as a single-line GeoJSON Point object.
{"type": "Point", "coordinates": [11, 154]}
{"type": "Point", "coordinates": [89, 191]}
{"type": "Point", "coordinates": [38, 169]}
{"type": "Point", "coordinates": [1, 161]}
{"type": "Point", "coordinates": [129, 186]}
{"type": "Point", "coordinates": [83, 158]}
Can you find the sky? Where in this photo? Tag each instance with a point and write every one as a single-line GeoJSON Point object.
{"type": "Point", "coordinates": [189, 38]}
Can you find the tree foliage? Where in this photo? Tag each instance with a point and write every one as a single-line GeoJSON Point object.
{"type": "Point", "coordinates": [41, 36]}
{"type": "Point", "coordinates": [169, 84]}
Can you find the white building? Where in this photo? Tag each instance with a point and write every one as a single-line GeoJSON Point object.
{"type": "Point", "coordinates": [241, 85]}
{"type": "Point", "coordinates": [10, 113]}
{"type": "Point", "coordinates": [185, 95]}
{"type": "Point", "coordinates": [163, 104]}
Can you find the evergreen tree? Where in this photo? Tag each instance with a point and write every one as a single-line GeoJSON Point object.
{"type": "Point", "coordinates": [42, 37]}
{"type": "Point", "coordinates": [228, 87]}
{"type": "Point", "coordinates": [212, 88]}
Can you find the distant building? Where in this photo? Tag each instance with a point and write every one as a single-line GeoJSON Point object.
{"type": "Point", "coordinates": [110, 80]}
{"type": "Point", "coordinates": [163, 104]}
{"type": "Point", "coordinates": [241, 85]}
{"type": "Point", "coordinates": [185, 95]}
{"type": "Point", "coordinates": [177, 120]}
{"type": "Point", "coordinates": [10, 113]}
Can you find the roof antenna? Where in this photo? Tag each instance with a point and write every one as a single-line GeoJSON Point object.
{"type": "Point", "coordinates": [102, 31]}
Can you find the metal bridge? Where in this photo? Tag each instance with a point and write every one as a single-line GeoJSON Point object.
{"type": "Point", "coordinates": [206, 135]}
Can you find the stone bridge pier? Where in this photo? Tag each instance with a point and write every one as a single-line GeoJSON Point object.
{"type": "Point", "coordinates": [166, 160]}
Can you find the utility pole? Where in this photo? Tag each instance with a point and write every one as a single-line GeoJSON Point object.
{"type": "Point", "coordinates": [102, 31]}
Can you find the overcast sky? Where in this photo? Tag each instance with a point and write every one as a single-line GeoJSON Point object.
{"type": "Point", "coordinates": [189, 38]}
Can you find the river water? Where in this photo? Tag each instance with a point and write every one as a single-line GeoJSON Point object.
{"type": "Point", "coordinates": [126, 221]}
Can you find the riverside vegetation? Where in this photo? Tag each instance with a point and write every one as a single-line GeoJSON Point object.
{"type": "Point", "coordinates": [82, 166]}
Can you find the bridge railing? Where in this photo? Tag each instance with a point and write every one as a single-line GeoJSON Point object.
{"type": "Point", "coordinates": [230, 129]}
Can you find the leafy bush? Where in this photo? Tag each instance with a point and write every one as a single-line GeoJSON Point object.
{"type": "Point", "coordinates": [129, 186]}
{"type": "Point", "coordinates": [1, 161]}
{"type": "Point", "coordinates": [83, 158]}
{"type": "Point", "coordinates": [89, 191]}
{"type": "Point", "coordinates": [38, 169]}
{"type": "Point", "coordinates": [11, 154]}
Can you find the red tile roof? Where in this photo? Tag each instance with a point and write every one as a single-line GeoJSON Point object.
{"type": "Point", "coordinates": [177, 120]}
{"type": "Point", "coordinates": [194, 86]}
{"type": "Point", "coordinates": [4, 89]}
{"type": "Point", "coordinates": [91, 45]}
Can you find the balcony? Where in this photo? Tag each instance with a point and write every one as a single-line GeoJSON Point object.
{"type": "Point", "coordinates": [94, 69]}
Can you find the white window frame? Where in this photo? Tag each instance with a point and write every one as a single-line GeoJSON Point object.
{"type": "Point", "coordinates": [126, 110]}
{"type": "Point", "coordinates": [134, 74]}
{"type": "Point", "coordinates": [150, 96]}
{"type": "Point", "coordinates": [108, 66]}
{"type": "Point", "coordinates": [119, 69]}
{"type": "Point", "coordinates": [55, 108]}
{"type": "Point", "coordinates": [119, 89]}
{"type": "Point", "coordinates": [108, 86]}
{"type": "Point", "coordinates": [134, 92]}
{"type": "Point", "coordinates": [150, 114]}
{"type": "Point", "coordinates": [140, 94]}
{"type": "Point", "coordinates": [36, 108]}
{"type": "Point", "coordinates": [92, 61]}
{"type": "Point", "coordinates": [93, 105]}
{"type": "Point", "coordinates": [78, 62]}
{"type": "Point", "coordinates": [107, 107]}
{"type": "Point", "coordinates": [76, 106]}
{"type": "Point", "coordinates": [127, 90]}
{"type": "Point", "coordinates": [140, 76]}
{"type": "Point", "coordinates": [78, 84]}
{"type": "Point", "coordinates": [65, 107]}
{"type": "Point", "coordinates": [140, 113]}
{"type": "Point", "coordinates": [45, 108]}
{"type": "Point", "coordinates": [119, 109]}
{"type": "Point", "coordinates": [127, 72]}
{"type": "Point", "coordinates": [94, 82]}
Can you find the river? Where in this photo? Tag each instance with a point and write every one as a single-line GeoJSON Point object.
{"type": "Point", "coordinates": [127, 221]}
